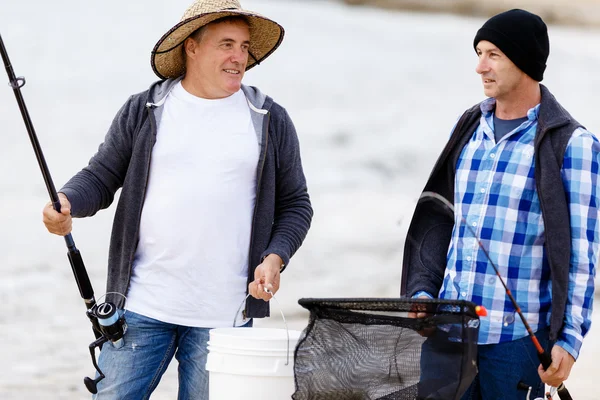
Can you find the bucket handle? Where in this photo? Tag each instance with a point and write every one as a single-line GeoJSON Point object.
{"type": "Point", "coordinates": [287, 331]}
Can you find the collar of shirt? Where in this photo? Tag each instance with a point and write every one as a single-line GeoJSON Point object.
{"type": "Point", "coordinates": [487, 107]}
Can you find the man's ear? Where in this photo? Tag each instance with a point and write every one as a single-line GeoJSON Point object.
{"type": "Point", "coordinates": [190, 46]}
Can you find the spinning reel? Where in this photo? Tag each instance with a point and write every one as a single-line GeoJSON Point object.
{"type": "Point", "coordinates": [111, 325]}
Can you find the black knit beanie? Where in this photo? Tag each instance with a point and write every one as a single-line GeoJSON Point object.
{"type": "Point", "coordinates": [522, 36]}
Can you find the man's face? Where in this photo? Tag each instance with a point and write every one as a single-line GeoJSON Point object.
{"type": "Point", "coordinates": [219, 60]}
{"type": "Point", "coordinates": [499, 75]}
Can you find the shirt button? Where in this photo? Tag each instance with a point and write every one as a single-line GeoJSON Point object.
{"type": "Point", "coordinates": [464, 294]}
{"type": "Point", "coordinates": [474, 224]}
{"type": "Point", "coordinates": [509, 319]}
{"type": "Point", "coordinates": [469, 258]}
{"type": "Point", "coordinates": [492, 155]}
{"type": "Point", "coordinates": [492, 280]}
{"type": "Point", "coordinates": [482, 190]}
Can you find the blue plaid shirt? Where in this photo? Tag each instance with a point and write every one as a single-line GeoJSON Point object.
{"type": "Point", "coordinates": [495, 194]}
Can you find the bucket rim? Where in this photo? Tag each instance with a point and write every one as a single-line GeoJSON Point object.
{"type": "Point", "coordinates": [255, 332]}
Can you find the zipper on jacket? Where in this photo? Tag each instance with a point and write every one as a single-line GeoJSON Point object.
{"type": "Point", "coordinates": [137, 231]}
{"type": "Point", "coordinates": [258, 182]}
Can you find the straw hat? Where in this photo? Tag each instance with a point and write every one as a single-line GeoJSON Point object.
{"type": "Point", "coordinates": [167, 56]}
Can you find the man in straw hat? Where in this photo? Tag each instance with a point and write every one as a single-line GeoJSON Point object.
{"type": "Point", "coordinates": [213, 204]}
{"type": "Point", "coordinates": [523, 174]}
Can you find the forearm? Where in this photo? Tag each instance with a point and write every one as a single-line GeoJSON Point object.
{"type": "Point", "coordinates": [578, 311]}
{"type": "Point", "coordinates": [293, 210]}
{"type": "Point", "coordinates": [291, 225]}
{"type": "Point", "coordinates": [89, 193]}
{"type": "Point", "coordinates": [580, 179]}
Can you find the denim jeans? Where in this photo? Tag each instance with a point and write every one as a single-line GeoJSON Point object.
{"type": "Point", "coordinates": [502, 366]}
{"type": "Point", "coordinates": [134, 370]}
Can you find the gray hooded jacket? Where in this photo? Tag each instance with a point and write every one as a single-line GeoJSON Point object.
{"type": "Point", "coordinates": [282, 213]}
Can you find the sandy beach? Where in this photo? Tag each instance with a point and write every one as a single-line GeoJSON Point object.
{"type": "Point", "coordinates": [373, 94]}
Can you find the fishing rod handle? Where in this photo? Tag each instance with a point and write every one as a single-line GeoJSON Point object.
{"type": "Point", "coordinates": [81, 275]}
{"type": "Point", "coordinates": [545, 359]}
{"type": "Point", "coordinates": [562, 391]}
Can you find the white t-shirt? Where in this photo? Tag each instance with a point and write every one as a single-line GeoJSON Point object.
{"type": "Point", "coordinates": [191, 263]}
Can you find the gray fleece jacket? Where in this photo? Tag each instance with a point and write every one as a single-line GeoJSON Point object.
{"type": "Point", "coordinates": [282, 214]}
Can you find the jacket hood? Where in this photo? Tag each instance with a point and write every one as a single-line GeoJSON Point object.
{"type": "Point", "coordinates": [257, 100]}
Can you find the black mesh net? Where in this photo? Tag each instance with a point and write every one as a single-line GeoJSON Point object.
{"type": "Point", "coordinates": [358, 349]}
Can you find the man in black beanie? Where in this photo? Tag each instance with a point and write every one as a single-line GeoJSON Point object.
{"type": "Point", "coordinates": [523, 174]}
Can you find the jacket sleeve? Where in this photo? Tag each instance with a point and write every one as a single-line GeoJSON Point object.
{"type": "Point", "coordinates": [94, 187]}
{"type": "Point", "coordinates": [581, 181]}
{"type": "Point", "coordinates": [293, 210]}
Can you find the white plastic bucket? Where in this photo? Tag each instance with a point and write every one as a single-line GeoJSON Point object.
{"type": "Point", "coordinates": [250, 363]}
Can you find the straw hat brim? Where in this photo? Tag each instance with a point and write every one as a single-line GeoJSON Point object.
{"type": "Point", "coordinates": [167, 56]}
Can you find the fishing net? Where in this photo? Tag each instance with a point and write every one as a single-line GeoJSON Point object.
{"type": "Point", "coordinates": [359, 349]}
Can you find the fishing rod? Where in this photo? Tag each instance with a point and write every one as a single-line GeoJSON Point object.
{"type": "Point", "coordinates": [543, 356]}
{"type": "Point", "coordinates": [81, 276]}
{"type": "Point", "coordinates": [107, 325]}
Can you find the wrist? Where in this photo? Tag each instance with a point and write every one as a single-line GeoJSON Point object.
{"type": "Point", "coordinates": [275, 259]}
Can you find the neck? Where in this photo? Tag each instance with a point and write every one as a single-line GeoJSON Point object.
{"type": "Point", "coordinates": [194, 87]}
{"type": "Point", "coordinates": [516, 104]}
{"type": "Point", "coordinates": [193, 84]}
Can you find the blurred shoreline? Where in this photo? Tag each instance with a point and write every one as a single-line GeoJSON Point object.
{"type": "Point", "coordinates": [580, 13]}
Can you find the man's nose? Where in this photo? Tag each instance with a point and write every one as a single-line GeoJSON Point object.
{"type": "Point", "coordinates": [482, 66]}
{"type": "Point", "coordinates": [238, 55]}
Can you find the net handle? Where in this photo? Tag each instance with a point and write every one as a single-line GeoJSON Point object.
{"type": "Point", "coordinates": [287, 331]}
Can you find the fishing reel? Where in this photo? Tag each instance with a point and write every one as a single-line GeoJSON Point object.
{"type": "Point", "coordinates": [106, 320]}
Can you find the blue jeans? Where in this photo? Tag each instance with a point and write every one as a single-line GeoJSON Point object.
{"type": "Point", "coordinates": [134, 370]}
{"type": "Point", "coordinates": [502, 366]}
